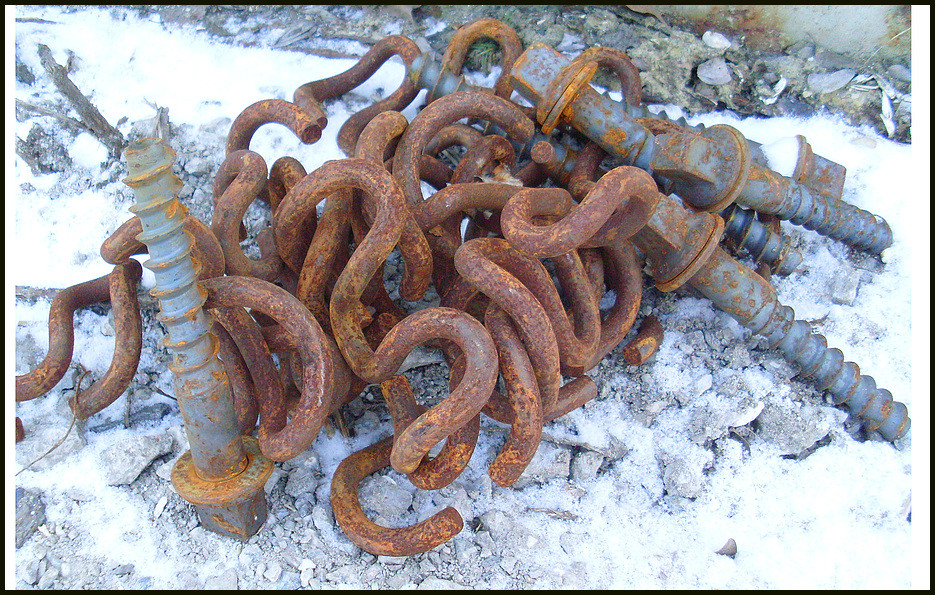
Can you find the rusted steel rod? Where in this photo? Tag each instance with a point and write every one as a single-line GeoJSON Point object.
{"type": "Point", "coordinates": [646, 342]}
{"type": "Point", "coordinates": [376, 539]}
{"type": "Point", "coordinates": [320, 91]}
{"type": "Point", "coordinates": [522, 399]}
{"type": "Point", "coordinates": [118, 287]}
{"type": "Point", "coordinates": [438, 472]}
{"type": "Point", "coordinates": [128, 331]}
{"type": "Point", "coordinates": [325, 377]}
{"type": "Point", "coordinates": [240, 180]}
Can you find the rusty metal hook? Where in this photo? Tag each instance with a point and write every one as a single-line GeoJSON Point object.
{"type": "Point", "coordinates": [335, 86]}
{"type": "Point", "coordinates": [119, 287]}
{"type": "Point", "coordinates": [383, 541]}
{"type": "Point", "coordinates": [240, 180]}
{"type": "Point", "coordinates": [484, 28]}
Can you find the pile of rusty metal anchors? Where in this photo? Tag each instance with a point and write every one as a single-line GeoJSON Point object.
{"type": "Point", "coordinates": [274, 345]}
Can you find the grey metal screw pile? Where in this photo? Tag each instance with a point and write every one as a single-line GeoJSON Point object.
{"type": "Point", "coordinates": [722, 278]}
{"type": "Point", "coordinates": [759, 240]}
{"type": "Point", "coordinates": [698, 159]}
{"type": "Point", "coordinates": [219, 473]}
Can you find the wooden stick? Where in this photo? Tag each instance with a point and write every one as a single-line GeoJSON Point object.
{"type": "Point", "coordinates": [98, 125]}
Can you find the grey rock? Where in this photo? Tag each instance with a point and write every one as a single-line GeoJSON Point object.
{"type": "Point", "coordinates": [702, 384]}
{"type": "Point", "coordinates": [714, 72]}
{"type": "Point", "coordinates": [27, 354]}
{"type": "Point", "coordinates": [384, 497]}
{"type": "Point", "coordinates": [715, 40]}
{"type": "Point", "coordinates": [801, 50]}
{"type": "Point", "coordinates": [828, 82]}
{"type": "Point", "coordinates": [706, 424]}
{"type": "Point", "coordinates": [828, 59]}
{"type": "Point", "coordinates": [392, 560]}
{"type": "Point", "coordinates": [123, 462]}
{"type": "Point", "coordinates": [549, 462]}
{"type": "Point", "coordinates": [30, 572]}
{"type": "Point", "coordinates": [290, 581]}
{"type": "Point", "coordinates": [498, 523]}
{"type": "Point", "coordinates": [48, 577]}
{"type": "Point", "coordinates": [345, 575]}
{"type": "Point", "coordinates": [682, 479]}
{"type": "Point", "coordinates": [274, 478]}
{"type": "Point", "coordinates": [154, 412]}
{"type": "Point", "coordinates": [585, 465]}
{"type": "Point", "coordinates": [301, 481]}
{"type": "Point", "coordinates": [48, 152]}
{"type": "Point", "coordinates": [188, 580]}
{"type": "Point", "coordinates": [198, 166]}
{"type": "Point", "coordinates": [273, 572]}
{"type": "Point", "coordinates": [322, 518]}
{"type": "Point", "coordinates": [790, 428]}
{"type": "Point", "coordinates": [38, 441]}
{"type": "Point", "coordinates": [123, 570]}
{"type": "Point", "coordinates": [226, 581]}
{"type": "Point", "coordinates": [844, 285]}
{"type": "Point", "coordinates": [30, 513]}
{"type": "Point", "coordinates": [900, 73]}
{"type": "Point", "coordinates": [744, 412]}
{"type": "Point", "coordinates": [433, 583]}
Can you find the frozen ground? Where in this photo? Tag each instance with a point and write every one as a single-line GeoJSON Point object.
{"type": "Point", "coordinates": [639, 488]}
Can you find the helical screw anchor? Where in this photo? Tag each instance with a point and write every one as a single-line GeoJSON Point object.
{"type": "Point", "coordinates": [224, 473]}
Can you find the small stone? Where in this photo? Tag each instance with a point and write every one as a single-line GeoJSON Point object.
{"type": "Point", "coordinates": [188, 581]}
{"type": "Point", "coordinates": [34, 448]}
{"type": "Point", "coordinates": [123, 462]}
{"type": "Point", "coordinates": [123, 570]}
{"type": "Point", "coordinates": [30, 573]}
{"type": "Point", "coordinates": [844, 285]}
{"type": "Point", "coordinates": [715, 40]}
{"type": "Point", "coordinates": [48, 577]}
{"type": "Point", "coordinates": [900, 73]}
{"type": "Point", "coordinates": [384, 497]}
{"type": "Point", "coordinates": [549, 462]}
{"type": "Point", "coordinates": [301, 481]}
{"type": "Point", "coordinates": [702, 384]}
{"type": "Point", "coordinates": [714, 72]}
{"type": "Point", "coordinates": [30, 513]}
{"type": "Point", "coordinates": [729, 549]}
{"type": "Point", "coordinates": [273, 572]}
{"type": "Point", "coordinates": [436, 584]}
{"type": "Point", "coordinates": [392, 560]}
{"type": "Point", "coordinates": [226, 581]}
{"type": "Point", "coordinates": [274, 478]}
{"type": "Point", "coordinates": [498, 523]}
{"type": "Point", "coordinates": [681, 479]}
{"type": "Point", "coordinates": [801, 50]}
{"type": "Point", "coordinates": [790, 428]}
{"type": "Point", "coordinates": [585, 465]}
{"type": "Point", "coordinates": [821, 82]}
{"type": "Point", "coordinates": [828, 59]}
{"type": "Point", "coordinates": [746, 411]}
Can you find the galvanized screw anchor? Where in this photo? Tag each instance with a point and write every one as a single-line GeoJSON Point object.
{"type": "Point", "coordinates": [682, 247]}
{"type": "Point", "coordinates": [709, 169]}
{"type": "Point", "coordinates": [224, 473]}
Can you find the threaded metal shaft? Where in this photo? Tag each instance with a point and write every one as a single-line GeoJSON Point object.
{"type": "Point", "coordinates": [769, 192]}
{"type": "Point", "coordinates": [760, 241]}
{"type": "Point", "coordinates": [201, 384]}
{"type": "Point", "coordinates": [722, 279]}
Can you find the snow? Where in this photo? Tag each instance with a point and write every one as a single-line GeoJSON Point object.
{"type": "Point", "coordinates": [835, 519]}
